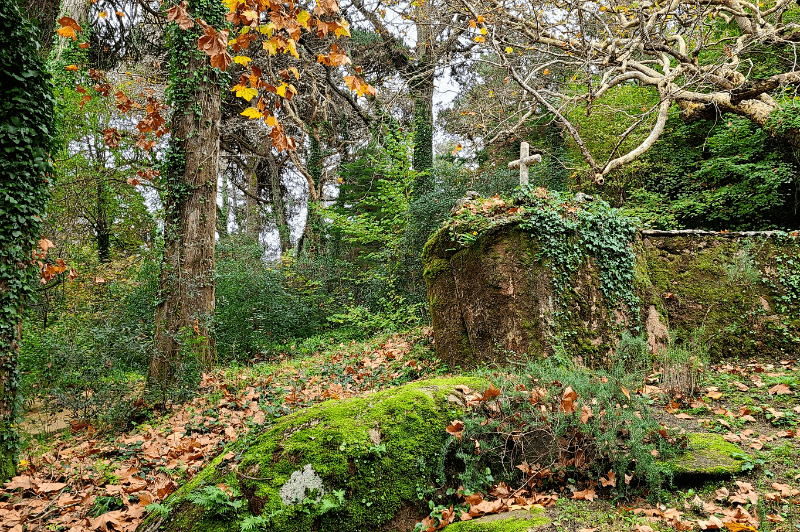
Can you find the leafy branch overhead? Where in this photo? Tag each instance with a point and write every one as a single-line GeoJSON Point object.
{"type": "Point", "coordinates": [277, 26]}
{"type": "Point", "coordinates": [568, 59]}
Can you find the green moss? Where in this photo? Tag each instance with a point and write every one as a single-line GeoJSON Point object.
{"type": "Point", "coordinates": [707, 454]}
{"type": "Point", "coordinates": [440, 245]}
{"type": "Point", "coordinates": [435, 267]}
{"type": "Point", "coordinates": [518, 521]}
{"type": "Point", "coordinates": [380, 450]}
{"type": "Point", "coordinates": [697, 272]}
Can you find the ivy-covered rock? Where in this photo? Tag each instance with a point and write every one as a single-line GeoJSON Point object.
{"type": "Point", "coordinates": [513, 278]}
{"type": "Point", "coordinates": [527, 276]}
{"type": "Point", "coordinates": [358, 464]}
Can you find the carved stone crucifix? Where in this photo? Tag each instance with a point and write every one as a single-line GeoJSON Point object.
{"type": "Point", "coordinates": [525, 160]}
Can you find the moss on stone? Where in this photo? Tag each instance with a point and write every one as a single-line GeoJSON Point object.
{"type": "Point", "coordinates": [706, 296]}
{"type": "Point", "coordinates": [517, 521]}
{"type": "Point", "coordinates": [440, 245]}
{"type": "Point", "coordinates": [707, 454]}
{"type": "Point", "coordinates": [435, 267]}
{"type": "Point", "coordinates": [380, 451]}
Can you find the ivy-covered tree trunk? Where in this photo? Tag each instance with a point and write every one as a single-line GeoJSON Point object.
{"type": "Point", "coordinates": [423, 122]}
{"type": "Point", "coordinates": [422, 86]}
{"type": "Point", "coordinates": [311, 242]}
{"type": "Point", "coordinates": [45, 13]}
{"type": "Point", "coordinates": [183, 333]}
{"type": "Point", "coordinates": [26, 128]}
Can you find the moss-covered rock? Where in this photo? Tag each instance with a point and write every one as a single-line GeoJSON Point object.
{"type": "Point", "coordinates": [516, 521]}
{"type": "Point", "coordinates": [358, 464]}
{"type": "Point", "coordinates": [707, 455]}
{"type": "Point", "coordinates": [492, 286]}
{"type": "Point", "coordinates": [704, 284]}
{"type": "Point", "coordinates": [500, 287]}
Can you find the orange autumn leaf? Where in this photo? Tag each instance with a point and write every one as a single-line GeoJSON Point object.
{"type": "Point", "coordinates": [179, 15]}
{"type": "Point", "coordinates": [71, 68]}
{"type": "Point", "coordinates": [491, 392]}
{"type": "Point", "coordinates": [456, 428]}
{"type": "Point", "coordinates": [68, 28]}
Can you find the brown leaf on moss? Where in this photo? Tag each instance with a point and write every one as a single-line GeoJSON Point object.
{"type": "Point", "coordinates": [456, 428]}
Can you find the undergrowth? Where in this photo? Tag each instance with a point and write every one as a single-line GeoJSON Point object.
{"type": "Point", "coordinates": [551, 423]}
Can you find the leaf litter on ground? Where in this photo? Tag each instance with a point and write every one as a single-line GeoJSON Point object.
{"type": "Point", "coordinates": [61, 483]}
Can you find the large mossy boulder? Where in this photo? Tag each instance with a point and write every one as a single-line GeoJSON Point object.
{"type": "Point", "coordinates": [513, 279]}
{"type": "Point", "coordinates": [361, 464]}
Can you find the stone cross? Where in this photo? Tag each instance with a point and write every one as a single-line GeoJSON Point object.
{"type": "Point", "coordinates": [525, 160]}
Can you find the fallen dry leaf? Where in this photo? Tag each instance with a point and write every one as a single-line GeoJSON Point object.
{"type": "Point", "coordinates": [587, 494]}
{"type": "Point", "coordinates": [610, 481]}
{"type": "Point", "coordinates": [780, 389]}
{"type": "Point", "coordinates": [456, 428]}
{"type": "Point", "coordinates": [713, 523]}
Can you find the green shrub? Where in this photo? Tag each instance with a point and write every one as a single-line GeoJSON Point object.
{"type": "Point", "coordinates": [92, 372]}
{"type": "Point", "coordinates": [94, 351]}
{"type": "Point", "coordinates": [550, 423]}
{"type": "Point", "coordinates": [727, 174]}
{"type": "Point", "coordinates": [258, 303]}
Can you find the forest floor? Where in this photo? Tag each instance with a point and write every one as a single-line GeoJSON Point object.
{"type": "Point", "coordinates": [82, 479]}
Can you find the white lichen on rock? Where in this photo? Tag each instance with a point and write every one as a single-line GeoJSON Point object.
{"type": "Point", "coordinates": [302, 481]}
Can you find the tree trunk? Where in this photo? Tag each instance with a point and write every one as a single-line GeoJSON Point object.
{"type": "Point", "coordinates": [77, 10]}
{"type": "Point", "coordinates": [423, 128]}
{"type": "Point", "coordinates": [421, 87]}
{"type": "Point", "coordinates": [277, 193]}
{"type": "Point", "coordinates": [25, 168]}
{"type": "Point", "coordinates": [186, 284]}
{"type": "Point", "coordinates": [45, 12]}
{"type": "Point", "coordinates": [102, 225]}
{"type": "Point", "coordinates": [253, 225]}
{"type": "Point", "coordinates": [312, 233]}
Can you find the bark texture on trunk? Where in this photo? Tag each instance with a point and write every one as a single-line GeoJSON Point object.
{"type": "Point", "coordinates": [186, 283]}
